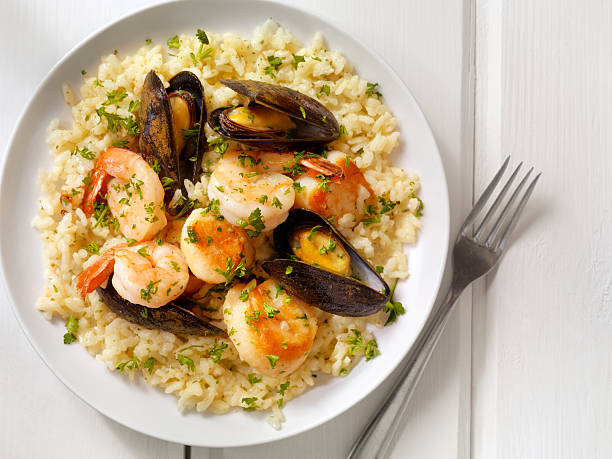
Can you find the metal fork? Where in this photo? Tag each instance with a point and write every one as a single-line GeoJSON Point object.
{"type": "Point", "coordinates": [474, 254]}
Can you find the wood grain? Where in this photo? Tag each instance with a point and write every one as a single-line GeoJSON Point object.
{"type": "Point", "coordinates": [543, 321]}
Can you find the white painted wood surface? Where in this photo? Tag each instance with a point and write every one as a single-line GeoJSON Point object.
{"type": "Point", "coordinates": [542, 362]}
{"type": "Point", "coordinates": [527, 372]}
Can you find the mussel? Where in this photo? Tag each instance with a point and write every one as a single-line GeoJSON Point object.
{"type": "Point", "coordinates": [321, 267]}
{"type": "Point", "coordinates": [172, 317]}
{"type": "Point", "coordinates": [276, 117]}
{"type": "Point", "coordinates": [172, 127]}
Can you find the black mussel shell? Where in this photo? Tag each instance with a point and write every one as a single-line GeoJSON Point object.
{"type": "Point", "coordinates": [363, 294]}
{"type": "Point", "coordinates": [156, 136]}
{"type": "Point", "coordinates": [315, 124]}
{"type": "Point", "coordinates": [171, 317]}
{"type": "Point", "coordinates": [157, 139]}
{"type": "Point", "coordinates": [190, 159]}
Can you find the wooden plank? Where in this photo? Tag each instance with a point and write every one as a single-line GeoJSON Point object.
{"type": "Point", "coordinates": [543, 321]}
{"type": "Point", "coordinates": [39, 416]}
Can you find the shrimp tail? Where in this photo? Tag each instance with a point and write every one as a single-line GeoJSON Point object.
{"type": "Point", "coordinates": [95, 275]}
{"type": "Point", "coordinates": [96, 189]}
{"type": "Point", "coordinates": [108, 164]}
{"type": "Point", "coordinates": [323, 166]}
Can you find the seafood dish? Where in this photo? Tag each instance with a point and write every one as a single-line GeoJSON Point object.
{"type": "Point", "coordinates": [222, 218]}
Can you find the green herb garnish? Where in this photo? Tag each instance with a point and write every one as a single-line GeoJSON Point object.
{"type": "Point", "coordinates": [394, 308]}
{"type": "Point", "coordinates": [72, 326]}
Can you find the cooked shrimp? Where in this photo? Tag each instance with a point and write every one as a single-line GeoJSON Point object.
{"type": "Point", "coordinates": [272, 330]}
{"type": "Point", "coordinates": [147, 273]}
{"type": "Point", "coordinates": [335, 195]}
{"type": "Point", "coordinates": [212, 246]}
{"type": "Point", "coordinates": [245, 188]}
{"type": "Point", "coordinates": [135, 194]}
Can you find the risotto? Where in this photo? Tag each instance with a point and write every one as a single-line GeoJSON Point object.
{"type": "Point", "coordinates": [206, 372]}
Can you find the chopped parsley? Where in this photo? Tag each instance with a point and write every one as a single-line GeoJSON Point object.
{"type": "Point", "coordinates": [83, 72]}
{"type": "Point", "coordinates": [150, 290]}
{"type": "Point", "coordinates": [175, 266]}
{"type": "Point", "coordinates": [297, 187]}
{"type": "Point", "coordinates": [93, 248]}
{"type": "Point", "coordinates": [102, 216]}
{"type": "Point", "coordinates": [120, 143]}
{"type": "Point", "coordinates": [247, 160]}
{"type": "Point", "coordinates": [324, 90]}
{"type": "Point", "coordinates": [303, 112]}
{"type": "Point", "coordinates": [250, 403]}
{"type": "Point", "coordinates": [275, 63]}
{"type": "Point", "coordinates": [148, 41]}
{"type": "Point", "coordinates": [167, 182]}
{"type": "Point", "coordinates": [192, 236]}
{"type": "Point", "coordinates": [216, 351]}
{"type": "Point", "coordinates": [256, 222]}
{"type": "Point", "coordinates": [355, 340]}
{"type": "Point", "coordinates": [419, 209]}
{"type": "Point", "coordinates": [202, 37]}
{"type": "Point", "coordinates": [380, 269]}
{"type": "Point", "coordinates": [173, 42]}
{"type": "Point", "coordinates": [115, 122]}
{"type": "Point", "coordinates": [324, 182]}
{"type": "Point", "coordinates": [149, 364]}
{"type": "Point", "coordinates": [288, 270]}
{"type": "Point", "coordinates": [154, 163]}
{"type": "Point", "coordinates": [133, 105]}
{"type": "Point", "coordinates": [244, 295]}
{"type": "Point", "coordinates": [253, 379]}
{"type": "Point", "coordinates": [219, 145]}
{"type": "Point", "coordinates": [232, 270]}
{"type": "Point", "coordinates": [143, 251]}
{"type": "Point", "coordinates": [386, 206]}
{"type": "Point", "coordinates": [371, 350]}
{"type": "Point", "coordinates": [273, 359]}
{"type": "Point", "coordinates": [72, 326]}
{"type": "Point", "coordinates": [283, 387]}
{"type": "Point", "coordinates": [297, 60]}
{"type": "Point", "coordinates": [254, 317]}
{"type": "Point", "coordinates": [394, 308]}
{"type": "Point", "coordinates": [373, 91]}
{"type": "Point", "coordinates": [131, 364]}
{"type": "Point", "coordinates": [184, 360]}
{"type": "Point", "coordinates": [114, 97]}
{"type": "Point", "coordinates": [277, 203]}
{"type": "Point", "coordinates": [271, 311]}
{"type": "Point", "coordinates": [263, 198]}
{"type": "Point", "coordinates": [313, 231]}
{"type": "Point", "coordinates": [84, 152]}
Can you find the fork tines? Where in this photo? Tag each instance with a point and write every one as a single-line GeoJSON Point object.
{"type": "Point", "coordinates": [494, 233]}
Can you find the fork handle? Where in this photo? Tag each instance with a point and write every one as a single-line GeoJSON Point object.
{"type": "Point", "coordinates": [383, 425]}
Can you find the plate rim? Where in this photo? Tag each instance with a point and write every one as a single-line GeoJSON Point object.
{"type": "Point", "coordinates": [445, 214]}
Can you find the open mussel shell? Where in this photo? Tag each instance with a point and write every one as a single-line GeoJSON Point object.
{"type": "Point", "coordinates": [158, 140]}
{"type": "Point", "coordinates": [314, 123]}
{"type": "Point", "coordinates": [363, 294]}
{"type": "Point", "coordinates": [171, 317]}
{"type": "Point", "coordinates": [190, 158]}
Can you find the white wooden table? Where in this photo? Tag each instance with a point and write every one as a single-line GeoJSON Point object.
{"type": "Point", "coordinates": [524, 367]}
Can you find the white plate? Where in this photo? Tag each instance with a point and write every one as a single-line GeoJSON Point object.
{"type": "Point", "coordinates": [137, 405]}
